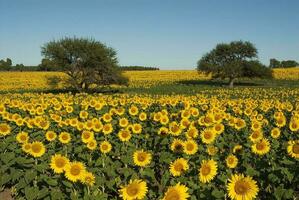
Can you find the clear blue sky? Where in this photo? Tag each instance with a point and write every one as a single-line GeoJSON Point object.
{"type": "Point", "coordinates": [170, 34]}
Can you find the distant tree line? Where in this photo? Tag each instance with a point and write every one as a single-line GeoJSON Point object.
{"type": "Point", "coordinates": [282, 64]}
{"type": "Point", "coordinates": [138, 68]}
{"type": "Point", "coordinates": [6, 65]}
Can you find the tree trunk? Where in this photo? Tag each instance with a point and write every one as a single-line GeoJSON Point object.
{"type": "Point", "coordinates": [231, 82]}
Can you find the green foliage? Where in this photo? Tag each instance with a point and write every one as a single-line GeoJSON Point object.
{"type": "Point", "coordinates": [233, 60]}
{"type": "Point", "coordinates": [138, 68]}
{"type": "Point", "coordinates": [282, 64]}
{"type": "Point", "coordinates": [87, 62]}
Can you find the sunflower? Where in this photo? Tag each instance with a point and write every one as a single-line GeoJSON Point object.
{"type": "Point", "coordinates": [212, 150]}
{"type": "Point", "coordinates": [22, 137]}
{"type": "Point", "coordinates": [192, 133]}
{"type": "Point", "coordinates": [174, 129]}
{"type": "Point", "coordinates": [4, 129]}
{"type": "Point", "coordinates": [293, 148]}
{"type": "Point", "coordinates": [207, 170]}
{"type": "Point", "coordinates": [51, 136]}
{"type": "Point", "coordinates": [142, 116]}
{"type": "Point", "coordinates": [124, 135]}
{"type": "Point", "coordinates": [256, 135]}
{"type": "Point", "coordinates": [241, 187]}
{"type": "Point", "coordinates": [261, 147]}
{"type": "Point", "coordinates": [163, 131]}
{"type": "Point", "coordinates": [107, 129]}
{"type": "Point", "coordinates": [231, 161]}
{"type": "Point", "coordinates": [177, 145]}
{"type": "Point", "coordinates": [26, 147]}
{"type": "Point", "coordinates": [133, 110]}
{"type": "Point", "coordinates": [237, 148]}
{"type": "Point", "coordinates": [136, 189]}
{"type": "Point", "coordinates": [123, 122]}
{"type": "Point", "coordinates": [83, 114]}
{"type": "Point", "coordinates": [37, 149]}
{"type": "Point", "coordinates": [88, 179]}
{"type": "Point", "coordinates": [178, 166]}
{"type": "Point", "coordinates": [87, 136]}
{"type": "Point", "coordinates": [275, 133]}
{"type": "Point", "coordinates": [142, 158]}
{"type": "Point", "coordinates": [136, 128]}
{"type": "Point", "coordinates": [239, 124]}
{"type": "Point", "coordinates": [177, 192]}
{"type": "Point", "coordinates": [92, 144]}
{"type": "Point", "coordinates": [190, 147]}
{"type": "Point", "coordinates": [75, 171]}
{"type": "Point", "coordinates": [105, 147]}
{"type": "Point", "coordinates": [218, 128]}
{"type": "Point", "coordinates": [64, 137]}
{"type": "Point", "coordinates": [58, 163]}
{"type": "Point", "coordinates": [294, 125]}
{"type": "Point", "coordinates": [208, 136]}
{"type": "Point", "coordinates": [107, 117]}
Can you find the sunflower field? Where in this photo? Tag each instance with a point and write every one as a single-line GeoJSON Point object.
{"type": "Point", "coordinates": [226, 144]}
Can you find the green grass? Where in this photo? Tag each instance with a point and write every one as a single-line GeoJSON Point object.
{"type": "Point", "coordinates": [182, 87]}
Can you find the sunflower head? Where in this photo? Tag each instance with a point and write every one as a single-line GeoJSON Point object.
{"type": "Point", "coordinates": [293, 148]}
{"type": "Point", "coordinates": [88, 179]}
{"type": "Point", "coordinates": [58, 163]}
{"type": "Point", "coordinates": [142, 158]}
{"type": "Point", "coordinates": [179, 192]}
{"type": "Point", "coordinates": [136, 189]}
{"type": "Point", "coordinates": [105, 147]}
{"type": "Point", "coordinates": [231, 161]}
{"type": "Point", "coordinates": [75, 171]}
{"type": "Point", "coordinates": [179, 166]}
{"type": "Point", "coordinates": [22, 137]}
{"type": "Point", "coordinates": [37, 149]}
{"type": "Point", "coordinates": [207, 170]}
{"type": "Point", "coordinates": [241, 187]}
{"type": "Point", "coordinates": [64, 137]}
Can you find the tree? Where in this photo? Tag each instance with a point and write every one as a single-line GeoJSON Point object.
{"type": "Point", "coordinates": [87, 62]}
{"type": "Point", "coordinates": [19, 67]}
{"type": "Point", "coordinates": [234, 60]}
{"type": "Point", "coordinates": [5, 65]}
{"type": "Point", "coordinates": [288, 63]}
{"type": "Point", "coordinates": [47, 65]}
{"type": "Point", "coordinates": [274, 63]}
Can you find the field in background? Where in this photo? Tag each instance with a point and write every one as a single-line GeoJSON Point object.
{"type": "Point", "coordinates": [137, 79]}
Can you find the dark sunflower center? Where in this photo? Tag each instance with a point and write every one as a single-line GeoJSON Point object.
{"type": "Point", "coordinates": [36, 148]}
{"type": "Point", "coordinates": [141, 157]}
{"type": "Point", "coordinates": [241, 187]}
{"type": "Point", "coordinates": [59, 162]}
{"type": "Point", "coordinates": [296, 149]}
{"type": "Point", "coordinates": [132, 190]}
{"type": "Point", "coordinates": [64, 137]}
{"type": "Point", "coordinates": [75, 170]}
{"type": "Point", "coordinates": [260, 146]}
{"type": "Point", "coordinates": [207, 135]}
{"type": "Point", "coordinates": [23, 137]}
{"type": "Point", "coordinates": [189, 147]}
{"type": "Point", "coordinates": [205, 170]}
{"type": "Point", "coordinates": [173, 196]}
{"type": "Point", "coordinates": [178, 167]}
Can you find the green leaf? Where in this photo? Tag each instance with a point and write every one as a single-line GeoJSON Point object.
{"type": "Point", "coordinates": [218, 194]}
{"type": "Point", "coordinates": [67, 184]}
{"type": "Point", "coordinates": [30, 176]}
{"type": "Point", "coordinates": [31, 193]}
{"type": "Point", "coordinates": [7, 157]}
{"type": "Point", "coordinates": [43, 193]}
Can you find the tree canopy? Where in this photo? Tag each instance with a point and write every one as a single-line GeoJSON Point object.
{"type": "Point", "coordinates": [87, 62]}
{"type": "Point", "coordinates": [233, 60]}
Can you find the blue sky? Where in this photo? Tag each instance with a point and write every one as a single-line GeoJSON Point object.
{"type": "Point", "coordinates": [170, 34]}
